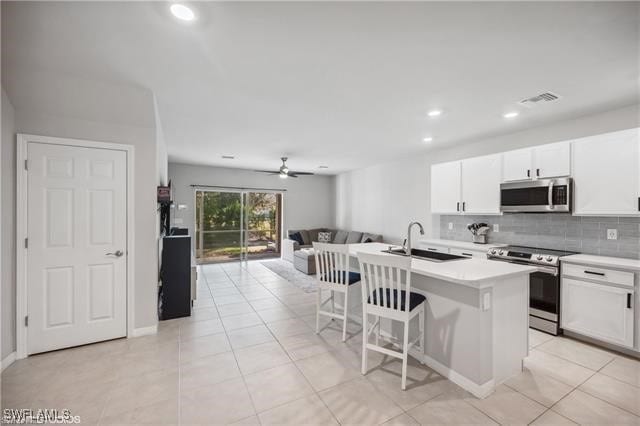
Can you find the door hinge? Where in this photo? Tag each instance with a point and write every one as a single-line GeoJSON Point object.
{"type": "Point", "coordinates": [26, 164]}
{"type": "Point", "coordinates": [26, 321]}
{"type": "Point", "coordinates": [26, 243]}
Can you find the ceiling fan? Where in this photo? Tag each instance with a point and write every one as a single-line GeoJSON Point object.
{"type": "Point", "coordinates": [284, 171]}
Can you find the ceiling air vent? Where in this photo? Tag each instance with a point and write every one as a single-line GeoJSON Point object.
{"type": "Point", "coordinates": [540, 99]}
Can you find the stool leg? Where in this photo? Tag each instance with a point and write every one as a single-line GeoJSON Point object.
{"type": "Point", "coordinates": [318, 302]}
{"type": "Point", "coordinates": [421, 328]}
{"type": "Point", "coordinates": [344, 321]}
{"type": "Point", "coordinates": [405, 353]}
{"type": "Point", "coordinates": [333, 304]}
{"type": "Point", "coordinates": [365, 339]}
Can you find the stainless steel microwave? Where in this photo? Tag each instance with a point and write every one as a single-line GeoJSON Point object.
{"type": "Point", "coordinates": [537, 196]}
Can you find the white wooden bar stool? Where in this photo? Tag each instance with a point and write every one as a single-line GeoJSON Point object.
{"type": "Point", "coordinates": [386, 292]}
{"type": "Point", "coordinates": [332, 273]}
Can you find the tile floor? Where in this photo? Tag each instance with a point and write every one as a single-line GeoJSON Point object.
{"type": "Point", "coordinates": [249, 355]}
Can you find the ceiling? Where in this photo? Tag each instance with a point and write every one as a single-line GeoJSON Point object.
{"type": "Point", "coordinates": [344, 85]}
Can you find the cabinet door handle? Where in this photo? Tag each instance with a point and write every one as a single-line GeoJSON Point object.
{"type": "Point", "coordinates": [467, 254]}
{"type": "Point", "coordinates": [432, 249]}
{"type": "Point", "coordinates": [464, 204]}
{"type": "Point", "coordinates": [458, 206]}
{"type": "Point", "coordinates": [528, 173]}
{"type": "Point", "coordinates": [628, 300]}
{"type": "Point", "coordinates": [594, 273]}
{"type": "Point", "coordinates": [537, 172]}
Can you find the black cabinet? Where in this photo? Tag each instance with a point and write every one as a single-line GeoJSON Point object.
{"type": "Point", "coordinates": [174, 300]}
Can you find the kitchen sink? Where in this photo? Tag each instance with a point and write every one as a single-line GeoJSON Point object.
{"type": "Point", "coordinates": [429, 255]}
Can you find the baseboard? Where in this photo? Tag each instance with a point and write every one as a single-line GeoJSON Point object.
{"type": "Point", "coordinates": [479, 391]}
{"type": "Point", "coordinates": [144, 331]}
{"type": "Point", "coordinates": [7, 361]}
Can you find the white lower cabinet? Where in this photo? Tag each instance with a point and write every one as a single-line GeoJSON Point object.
{"type": "Point", "coordinates": [600, 311]}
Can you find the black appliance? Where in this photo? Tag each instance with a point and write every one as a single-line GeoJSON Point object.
{"type": "Point", "coordinates": [174, 300]}
{"type": "Point", "coordinates": [537, 196]}
{"type": "Point", "coordinates": [179, 231]}
{"type": "Point", "coordinates": [544, 286]}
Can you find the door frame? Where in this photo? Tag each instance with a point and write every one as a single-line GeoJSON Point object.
{"type": "Point", "coordinates": [22, 211]}
{"type": "Point", "coordinates": [240, 190]}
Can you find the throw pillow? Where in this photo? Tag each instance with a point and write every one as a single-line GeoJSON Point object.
{"type": "Point", "coordinates": [296, 236]}
{"type": "Point", "coordinates": [324, 237]}
{"type": "Point", "coordinates": [368, 240]}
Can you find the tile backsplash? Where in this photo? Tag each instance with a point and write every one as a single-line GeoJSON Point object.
{"type": "Point", "coordinates": [584, 234]}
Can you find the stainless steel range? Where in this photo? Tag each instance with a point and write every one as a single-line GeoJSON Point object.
{"type": "Point", "coordinates": [544, 299]}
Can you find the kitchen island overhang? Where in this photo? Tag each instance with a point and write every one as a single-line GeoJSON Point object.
{"type": "Point", "coordinates": [477, 318]}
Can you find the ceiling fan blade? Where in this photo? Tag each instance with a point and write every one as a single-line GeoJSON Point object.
{"type": "Point", "coordinates": [268, 171]}
{"type": "Point", "coordinates": [293, 175]}
{"type": "Point", "coordinates": [302, 173]}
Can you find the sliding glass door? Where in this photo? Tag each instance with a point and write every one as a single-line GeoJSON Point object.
{"type": "Point", "coordinates": [237, 225]}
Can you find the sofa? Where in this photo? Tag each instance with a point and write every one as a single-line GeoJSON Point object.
{"type": "Point", "coordinates": [308, 236]}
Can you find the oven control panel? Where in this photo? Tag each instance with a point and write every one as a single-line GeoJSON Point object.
{"type": "Point", "coordinates": [523, 256]}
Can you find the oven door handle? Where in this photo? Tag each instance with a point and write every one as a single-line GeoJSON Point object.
{"type": "Point", "coordinates": [550, 195]}
{"type": "Point", "coordinates": [545, 269]}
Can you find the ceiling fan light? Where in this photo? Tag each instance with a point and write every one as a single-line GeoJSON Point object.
{"type": "Point", "coordinates": [283, 175]}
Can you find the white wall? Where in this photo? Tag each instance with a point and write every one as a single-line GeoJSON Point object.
{"type": "Point", "coordinates": [59, 109]}
{"type": "Point", "coordinates": [7, 226]}
{"type": "Point", "coordinates": [384, 198]}
{"type": "Point", "coordinates": [309, 202]}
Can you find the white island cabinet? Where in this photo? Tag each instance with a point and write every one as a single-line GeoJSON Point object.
{"type": "Point", "coordinates": [477, 318]}
{"type": "Point", "coordinates": [599, 299]}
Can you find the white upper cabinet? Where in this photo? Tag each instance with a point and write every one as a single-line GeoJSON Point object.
{"type": "Point", "coordinates": [606, 172]}
{"type": "Point", "coordinates": [544, 161]}
{"type": "Point", "coordinates": [517, 165]}
{"type": "Point", "coordinates": [481, 184]}
{"type": "Point", "coordinates": [552, 160]}
{"type": "Point", "coordinates": [445, 187]}
{"type": "Point", "coordinates": [467, 186]}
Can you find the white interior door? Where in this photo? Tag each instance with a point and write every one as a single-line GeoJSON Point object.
{"type": "Point", "coordinates": [76, 255]}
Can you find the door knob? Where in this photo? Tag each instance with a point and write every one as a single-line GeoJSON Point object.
{"type": "Point", "coordinates": [118, 253]}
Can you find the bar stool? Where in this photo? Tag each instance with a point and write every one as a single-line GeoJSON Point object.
{"type": "Point", "coordinates": [332, 273]}
{"type": "Point", "coordinates": [386, 292]}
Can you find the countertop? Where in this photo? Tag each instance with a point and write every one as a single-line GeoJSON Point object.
{"type": "Point", "coordinates": [466, 245]}
{"type": "Point", "coordinates": [477, 273]}
{"type": "Point", "coordinates": [604, 261]}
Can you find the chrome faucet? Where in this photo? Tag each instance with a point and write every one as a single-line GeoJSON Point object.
{"type": "Point", "coordinates": [407, 249]}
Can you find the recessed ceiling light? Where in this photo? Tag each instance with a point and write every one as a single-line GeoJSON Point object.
{"type": "Point", "coordinates": [512, 114]}
{"type": "Point", "coordinates": [323, 167]}
{"type": "Point", "coordinates": [181, 11]}
{"type": "Point", "coordinates": [434, 113]}
{"type": "Point", "coordinates": [228, 157]}
{"type": "Point", "coordinates": [427, 139]}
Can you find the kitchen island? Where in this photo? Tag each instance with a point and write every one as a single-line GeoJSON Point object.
{"type": "Point", "coordinates": [477, 318]}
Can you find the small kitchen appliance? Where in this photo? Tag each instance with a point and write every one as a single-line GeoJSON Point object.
{"type": "Point", "coordinates": [479, 232]}
{"type": "Point", "coordinates": [544, 286]}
